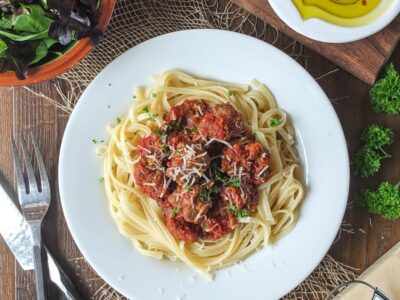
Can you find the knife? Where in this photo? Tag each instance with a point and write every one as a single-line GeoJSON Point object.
{"type": "Point", "coordinates": [16, 233]}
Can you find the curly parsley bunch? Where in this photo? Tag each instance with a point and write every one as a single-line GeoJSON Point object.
{"type": "Point", "coordinates": [385, 94]}
{"type": "Point", "coordinates": [367, 159]}
{"type": "Point", "coordinates": [384, 201]}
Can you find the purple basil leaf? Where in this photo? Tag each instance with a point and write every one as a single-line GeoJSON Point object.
{"type": "Point", "coordinates": [18, 56]}
{"type": "Point", "coordinates": [60, 32]}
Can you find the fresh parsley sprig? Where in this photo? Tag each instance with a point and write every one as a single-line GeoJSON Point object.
{"type": "Point", "coordinates": [385, 94]}
{"type": "Point", "coordinates": [151, 116]}
{"type": "Point", "coordinates": [367, 159]}
{"type": "Point", "coordinates": [238, 213]}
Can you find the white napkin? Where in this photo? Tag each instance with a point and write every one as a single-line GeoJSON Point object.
{"type": "Point", "coordinates": [384, 274]}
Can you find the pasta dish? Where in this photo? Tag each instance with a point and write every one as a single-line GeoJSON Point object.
{"type": "Point", "coordinates": [202, 171]}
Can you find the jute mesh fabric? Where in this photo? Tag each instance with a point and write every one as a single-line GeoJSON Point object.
{"type": "Point", "coordinates": [135, 21]}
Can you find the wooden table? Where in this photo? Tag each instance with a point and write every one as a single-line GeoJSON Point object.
{"type": "Point", "coordinates": [20, 111]}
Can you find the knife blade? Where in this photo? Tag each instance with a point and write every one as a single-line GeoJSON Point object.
{"type": "Point", "coordinates": [15, 230]}
{"type": "Point", "coordinates": [17, 234]}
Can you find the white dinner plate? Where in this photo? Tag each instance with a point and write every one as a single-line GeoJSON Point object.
{"type": "Point", "coordinates": [320, 30]}
{"type": "Point", "coordinates": [225, 56]}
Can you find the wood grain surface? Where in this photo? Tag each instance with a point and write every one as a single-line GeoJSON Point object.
{"type": "Point", "coordinates": [364, 59]}
{"type": "Point", "coordinates": [20, 111]}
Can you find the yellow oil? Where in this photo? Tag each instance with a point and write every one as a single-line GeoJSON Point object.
{"type": "Point", "coordinates": [349, 13]}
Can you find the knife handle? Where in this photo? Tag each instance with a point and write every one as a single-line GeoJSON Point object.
{"type": "Point", "coordinates": [60, 278]}
{"type": "Point", "coordinates": [37, 261]}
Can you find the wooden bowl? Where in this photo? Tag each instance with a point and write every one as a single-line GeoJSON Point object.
{"type": "Point", "coordinates": [67, 61]}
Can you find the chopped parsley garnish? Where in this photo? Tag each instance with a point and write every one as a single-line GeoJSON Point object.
{"type": "Point", "coordinates": [217, 175]}
{"type": "Point", "coordinates": [151, 116]}
{"type": "Point", "coordinates": [214, 189]}
{"type": "Point", "coordinates": [204, 194]}
{"type": "Point", "coordinates": [273, 122]}
{"type": "Point", "coordinates": [235, 182]}
{"type": "Point", "coordinates": [101, 179]}
{"type": "Point", "coordinates": [194, 129]}
{"type": "Point", "coordinates": [178, 152]}
{"type": "Point", "coordinates": [238, 213]}
{"type": "Point", "coordinates": [96, 141]}
{"type": "Point", "coordinates": [187, 188]}
{"type": "Point", "coordinates": [174, 211]}
{"type": "Point", "coordinates": [230, 93]}
{"type": "Point", "coordinates": [158, 131]}
{"type": "Point", "coordinates": [165, 148]}
{"type": "Point", "coordinates": [178, 125]}
{"type": "Point", "coordinates": [118, 119]}
{"type": "Point", "coordinates": [154, 94]}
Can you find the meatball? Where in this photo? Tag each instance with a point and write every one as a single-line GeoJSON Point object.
{"type": "Point", "coordinates": [243, 197]}
{"type": "Point", "coordinates": [180, 228]}
{"type": "Point", "coordinates": [191, 206]}
{"type": "Point", "coordinates": [150, 179]}
{"type": "Point", "coordinates": [188, 113]}
{"type": "Point", "coordinates": [188, 160]}
{"type": "Point", "coordinates": [222, 122]}
{"type": "Point", "coordinates": [151, 146]}
{"type": "Point", "coordinates": [215, 228]}
{"type": "Point", "coordinates": [246, 157]}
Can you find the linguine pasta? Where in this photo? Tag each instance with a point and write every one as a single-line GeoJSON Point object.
{"type": "Point", "coordinates": [140, 219]}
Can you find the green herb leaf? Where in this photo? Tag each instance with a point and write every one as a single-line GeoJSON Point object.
{"type": "Point", "coordinates": [238, 213]}
{"type": "Point", "coordinates": [273, 122]}
{"type": "Point", "coordinates": [187, 188]}
{"type": "Point", "coordinates": [174, 211]}
{"type": "Point", "coordinates": [32, 23]}
{"type": "Point", "coordinates": [165, 148]}
{"type": "Point", "coordinates": [101, 179]}
{"type": "Point", "coordinates": [235, 182]}
{"type": "Point", "coordinates": [384, 201]}
{"type": "Point", "coordinates": [204, 194]}
{"type": "Point", "coordinates": [118, 119]}
{"type": "Point", "coordinates": [385, 94]}
{"type": "Point", "coordinates": [194, 129]}
{"type": "Point", "coordinates": [3, 48]}
{"type": "Point", "coordinates": [376, 136]}
{"type": "Point", "coordinates": [151, 116]}
{"type": "Point", "coordinates": [230, 93]}
{"type": "Point", "coordinates": [214, 189]}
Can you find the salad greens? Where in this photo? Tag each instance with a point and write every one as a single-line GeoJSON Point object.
{"type": "Point", "coordinates": [33, 32]}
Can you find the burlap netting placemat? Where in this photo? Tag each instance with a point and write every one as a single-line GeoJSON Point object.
{"type": "Point", "coordinates": [135, 21]}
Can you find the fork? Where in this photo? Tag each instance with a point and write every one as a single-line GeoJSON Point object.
{"type": "Point", "coordinates": [34, 201]}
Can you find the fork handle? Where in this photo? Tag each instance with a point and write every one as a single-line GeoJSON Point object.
{"type": "Point", "coordinates": [37, 260]}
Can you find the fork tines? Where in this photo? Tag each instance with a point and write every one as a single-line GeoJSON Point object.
{"type": "Point", "coordinates": [34, 199]}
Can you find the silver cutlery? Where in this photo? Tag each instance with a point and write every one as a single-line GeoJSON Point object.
{"type": "Point", "coordinates": [35, 201]}
{"type": "Point", "coordinates": [15, 231]}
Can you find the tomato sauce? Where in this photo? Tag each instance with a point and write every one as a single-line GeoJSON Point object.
{"type": "Point", "coordinates": [203, 170]}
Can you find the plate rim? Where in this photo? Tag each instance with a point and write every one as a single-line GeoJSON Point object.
{"type": "Point", "coordinates": [315, 86]}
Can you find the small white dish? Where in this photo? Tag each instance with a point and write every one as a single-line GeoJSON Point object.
{"type": "Point", "coordinates": [323, 31]}
{"type": "Point", "coordinates": [267, 274]}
